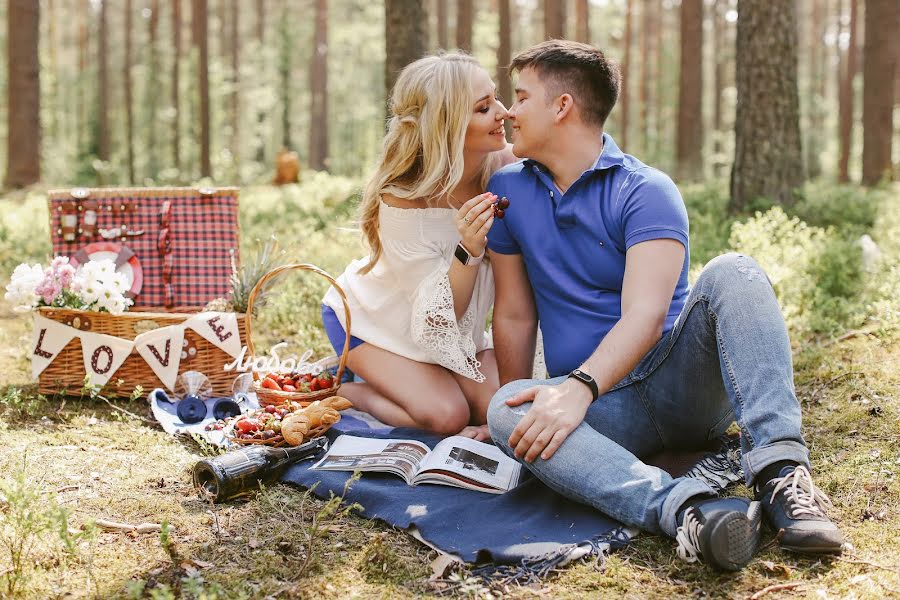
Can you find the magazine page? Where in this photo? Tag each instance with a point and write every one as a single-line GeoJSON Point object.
{"type": "Point", "coordinates": [353, 453]}
{"type": "Point", "coordinates": [459, 459]}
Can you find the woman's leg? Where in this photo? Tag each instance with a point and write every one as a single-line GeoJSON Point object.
{"type": "Point", "coordinates": [478, 395]}
{"type": "Point", "coordinates": [404, 392]}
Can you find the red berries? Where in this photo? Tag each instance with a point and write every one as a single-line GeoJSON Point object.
{"type": "Point", "coordinates": [500, 207]}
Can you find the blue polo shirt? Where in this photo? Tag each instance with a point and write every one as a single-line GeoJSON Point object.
{"type": "Point", "coordinates": [574, 244]}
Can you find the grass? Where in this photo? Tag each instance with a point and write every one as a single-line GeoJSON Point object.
{"type": "Point", "coordinates": [88, 460]}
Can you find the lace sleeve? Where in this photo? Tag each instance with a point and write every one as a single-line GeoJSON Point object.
{"type": "Point", "coordinates": [435, 329]}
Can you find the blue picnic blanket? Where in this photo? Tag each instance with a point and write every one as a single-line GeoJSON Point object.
{"type": "Point", "coordinates": [518, 536]}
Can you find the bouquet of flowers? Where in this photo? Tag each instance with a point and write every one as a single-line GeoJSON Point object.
{"type": "Point", "coordinates": [96, 285]}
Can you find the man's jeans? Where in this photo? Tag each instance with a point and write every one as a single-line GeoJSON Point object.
{"type": "Point", "coordinates": [727, 358]}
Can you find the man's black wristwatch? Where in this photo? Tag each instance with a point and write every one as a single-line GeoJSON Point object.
{"type": "Point", "coordinates": [586, 380]}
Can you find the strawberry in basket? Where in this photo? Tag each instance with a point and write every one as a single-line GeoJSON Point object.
{"type": "Point", "coordinates": [298, 382]}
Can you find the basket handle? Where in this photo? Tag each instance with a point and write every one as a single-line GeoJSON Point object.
{"type": "Point", "coordinates": [257, 289]}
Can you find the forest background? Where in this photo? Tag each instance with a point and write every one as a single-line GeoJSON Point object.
{"type": "Point", "coordinates": [776, 118]}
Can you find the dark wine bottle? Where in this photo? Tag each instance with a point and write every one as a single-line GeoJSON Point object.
{"type": "Point", "coordinates": [240, 471]}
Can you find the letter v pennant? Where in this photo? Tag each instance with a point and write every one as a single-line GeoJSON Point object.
{"type": "Point", "coordinates": [161, 349]}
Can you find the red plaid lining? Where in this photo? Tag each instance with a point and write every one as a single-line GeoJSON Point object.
{"type": "Point", "coordinates": [202, 233]}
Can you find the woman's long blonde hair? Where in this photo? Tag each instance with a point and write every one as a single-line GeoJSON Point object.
{"type": "Point", "coordinates": [422, 152]}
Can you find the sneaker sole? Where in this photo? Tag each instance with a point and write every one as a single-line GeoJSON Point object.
{"type": "Point", "coordinates": [732, 542]}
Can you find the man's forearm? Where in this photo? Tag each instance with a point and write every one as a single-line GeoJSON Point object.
{"type": "Point", "coordinates": [622, 348]}
{"type": "Point", "coordinates": [514, 342]}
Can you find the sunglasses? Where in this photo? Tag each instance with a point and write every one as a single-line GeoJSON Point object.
{"type": "Point", "coordinates": [192, 409]}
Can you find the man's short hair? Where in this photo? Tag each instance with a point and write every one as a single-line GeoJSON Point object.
{"type": "Point", "coordinates": [580, 70]}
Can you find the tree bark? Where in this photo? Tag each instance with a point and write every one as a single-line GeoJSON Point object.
{"type": "Point", "coordinates": [286, 51]}
{"type": "Point", "coordinates": [201, 39]}
{"type": "Point", "coordinates": [816, 93]}
{"type": "Point", "coordinates": [103, 90]}
{"type": "Point", "coordinates": [646, 76]}
{"type": "Point", "coordinates": [261, 39]}
{"type": "Point", "coordinates": [129, 93]}
{"type": "Point", "coordinates": [718, 79]}
{"type": "Point", "coordinates": [23, 122]}
{"type": "Point", "coordinates": [504, 57]}
{"type": "Point", "coordinates": [260, 21]}
{"type": "Point", "coordinates": [176, 72]}
{"type": "Point", "coordinates": [442, 40]}
{"type": "Point", "coordinates": [318, 128]}
{"type": "Point", "coordinates": [235, 89]}
{"type": "Point", "coordinates": [554, 19]}
{"type": "Point", "coordinates": [151, 90]}
{"type": "Point", "coordinates": [464, 16]}
{"type": "Point", "coordinates": [405, 36]}
{"type": "Point", "coordinates": [582, 22]}
{"type": "Point", "coordinates": [879, 69]}
{"type": "Point", "coordinates": [845, 109]}
{"type": "Point", "coordinates": [624, 100]}
{"type": "Point", "coordinates": [81, 125]}
{"type": "Point", "coordinates": [689, 138]}
{"type": "Point", "coordinates": [768, 159]}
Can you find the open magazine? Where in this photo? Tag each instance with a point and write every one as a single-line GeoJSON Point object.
{"type": "Point", "coordinates": [456, 461]}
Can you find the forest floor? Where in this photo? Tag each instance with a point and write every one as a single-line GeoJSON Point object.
{"type": "Point", "coordinates": [68, 462]}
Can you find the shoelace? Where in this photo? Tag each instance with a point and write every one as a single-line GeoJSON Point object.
{"type": "Point", "coordinates": [803, 497]}
{"type": "Point", "coordinates": [688, 537]}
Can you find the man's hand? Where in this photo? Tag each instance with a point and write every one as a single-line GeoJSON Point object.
{"type": "Point", "coordinates": [555, 413]}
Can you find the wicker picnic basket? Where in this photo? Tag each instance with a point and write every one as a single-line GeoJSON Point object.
{"type": "Point", "coordinates": [65, 375]}
{"type": "Point", "coordinates": [278, 397]}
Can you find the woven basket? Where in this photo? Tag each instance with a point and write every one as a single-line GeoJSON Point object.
{"type": "Point", "coordinates": [278, 441]}
{"type": "Point", "coordinates": [65, 375]}
{"type": "Point", "coordinates": [278, 397]}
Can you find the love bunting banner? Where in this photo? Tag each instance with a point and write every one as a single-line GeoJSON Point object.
{"type": "Point", "coordinates": [47, 340]}
{"type": "Point", "coordinates": [103, 355]}
{"type": "Point", "coordinates": [219, 329]}
{"type": "Point", "coordinates": [161, 350]}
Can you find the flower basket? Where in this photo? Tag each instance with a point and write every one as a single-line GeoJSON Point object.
{"type": "Point", "coordinates": [278, 397]}
{"type": "Point", "coordinates": [66, 373]}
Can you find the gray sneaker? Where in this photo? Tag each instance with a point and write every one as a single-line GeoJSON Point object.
{"type": "Point", "coordinates": [723, 532]}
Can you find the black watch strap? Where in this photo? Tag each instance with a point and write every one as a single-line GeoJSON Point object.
{"type": "Point", "coordinates": [586, 380]}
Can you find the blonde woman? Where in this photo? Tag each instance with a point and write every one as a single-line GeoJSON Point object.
{"type": "Point", "coordinates": [419, 301]}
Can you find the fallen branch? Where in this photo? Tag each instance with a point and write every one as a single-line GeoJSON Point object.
{"type": "Point", "coordinates": [812, 398]}
{"type": "Point", "coordinates": [776, 588]}
{"type": "Point", "coordinates": [125, 527]}
{"type": "Point", "coordinates": [871, 564]}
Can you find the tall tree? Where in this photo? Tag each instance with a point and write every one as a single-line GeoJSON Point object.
{"type": "Point", "coordinates": [719, 26]}
{"type": "Point", "coordinates": [201, 41]}
{"type": "Point", "coordinates": [405, 37]}
{"type": "Point", "coordinates": [176, 72]}
{"type": "Point", "coordinates": [504, 57]}
{"type": "Point", "coordinates": [582, 22]}
{"type": "Point", "coordinates": [151, 89]}
{"type": "Point", "coordinates": [464, 17]}
{"type": "Point", "coordinates": [442, 40]}
{"type": "Point", "coordinates": [23, 121]}
{"type": "Point", "coordinates": [82, 111]}
{"type": "Point", "coordinates": [879, 68]}
{"type": "Point", "coordinates": [234, 46]}
{"type": "Point", "coordinates": [816, 92]}
{"type": "Point", "coordinates": [129, 92]}
{"type": "Point", "coordinates": [103, 89]}
{"type": "Point", "coordinates": [845, 109]}
{"type": "Point", "coordinates": [261, 41]}
{"type": "Point", "coordinates": [646, 76]}
{"type": "Point", "coordinates": [768, 158]}
{"type": "Point", "coordinates": [624, 100]}
{"type": "Point", "coordinates": [318, 84]}
{"type": "Point", "coordinates": [285, 53]}
{"type": "Point", "coordinates": [554, 19]}
{"type": "Point", "coordinates": [689, 138]}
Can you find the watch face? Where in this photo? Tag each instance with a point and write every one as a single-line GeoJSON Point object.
{"type": "Point", "coordinates": [461, 254]}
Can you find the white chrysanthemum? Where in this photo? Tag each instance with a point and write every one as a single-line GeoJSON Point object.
{"type": "Point", "coordinates": [101, 287]}
{"type": "Point", "coordinates": [20, 291]}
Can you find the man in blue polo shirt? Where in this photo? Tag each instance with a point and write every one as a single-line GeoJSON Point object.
{"type": "Point", "coordinates": [594, 247]}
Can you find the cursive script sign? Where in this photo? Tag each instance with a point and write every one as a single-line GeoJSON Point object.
{"type": "Point", "coordinates": [274, 363]}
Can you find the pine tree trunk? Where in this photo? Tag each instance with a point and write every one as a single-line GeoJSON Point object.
{"type": "Point", "coordinates": [689, 138]}
{"type": "Point", "coordinates": [81, 126]}
{"type": "Point", "coordinates": [768, 159]}
{"type": "Point", "coordinates": [646, 76]}
{"type": "Point", "coordinates": [201, 40]}
{"type": "Point", "coordinates": [554, 19]}
{"type": "Point", "coordinates": [624, 100]}
{"type": "Point", "coordinates": [582, 22]}
{"type": "Point", "coordinates": [23, 121]}
{"type": "Point", "coordinates": [661, 121]}
{"type": "Point", "coordinates": [879, 69]}
{"type": "Point", "coordinates": [442, 40]}
{"type": "Point", "coordinates": [405, 36]}
{"type": "Point", "coordinates": [813, 140]}
{"type": "Point", "coordinates": [318, 85]}
{"type": "Point", "coordinates": [103, 89]}
{"type": "Point", "coordinates": [261, 40]}
{"type": "Point", "coordinates": [286, 50]}
{"type": "Point", "coordinates": [845, 109]}
{"type": "Point", "coordinates": [504, 57]}
{"type": "Point", "coordinates": [719, 50]}
{"type": "Point", "coordinates": [176, 72]}
{"type": "Point", "coordinates": [234, 47]}
{"type": "Point", "coordinates": [464, 16]}
{"type": "Point", "coordinates": [152, 91]}
{"type": "Point", "coordinates": [129, 93]}
{"type": "Point", "coordinates": [261, 21]}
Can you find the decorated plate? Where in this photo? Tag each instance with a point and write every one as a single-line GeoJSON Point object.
{"type": "Point", "coordinates": [126, 262]}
